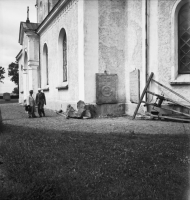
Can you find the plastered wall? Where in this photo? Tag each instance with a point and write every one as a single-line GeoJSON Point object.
{"type": "Point", "coordinates": [42, 10]}
{"type": "Point", "coordinates": [160, 41]}
{"type": "Point", "coordinates": [133, 41]}
{"type": "Point", "coordinates": [25, 66]}
{"type": "Point", "coordinates": [108, 35]}
{"type": "Point", "coordinates": [67, 19]}
{"type": "Point", "coordinates": [21, 89]}
{"type": "Point", "coordinates": [112, 41]}
{"type": "Point", "coordinates": [91, 49]}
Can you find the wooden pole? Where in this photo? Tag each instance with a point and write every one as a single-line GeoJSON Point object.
{"type": "Point", "coordinates": [175, 111]}
{"type": "Point", "coordinates": [174, 118]}
{"type": "Point", "coordinates": [171, 91]}
{"type": "Point", "coordinates": [143, 93]}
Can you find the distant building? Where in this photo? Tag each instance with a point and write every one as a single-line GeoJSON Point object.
{"type": "Point", "coordinates": [75, 39]}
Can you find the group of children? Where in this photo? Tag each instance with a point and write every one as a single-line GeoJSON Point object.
{"type": "Point", "coordinates": [31, 103]}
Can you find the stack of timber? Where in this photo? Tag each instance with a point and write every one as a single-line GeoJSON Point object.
{"type": "Point", "coordinates": [164, 107]}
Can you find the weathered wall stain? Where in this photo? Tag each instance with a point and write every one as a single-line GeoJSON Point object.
{"type": "Point", "coordinates": [112, 41]}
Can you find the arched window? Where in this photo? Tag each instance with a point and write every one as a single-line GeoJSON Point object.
{"type": "Point", "coordinates": [65, 57]}
{"type": "Point", "coordinates": [25, 77]}
{"type": "Point", "coordinates": [45, 63]}
{"type": "Point", "coordinates": [184, 39]}
{"type": "Point", "coordinates": [63, 53]}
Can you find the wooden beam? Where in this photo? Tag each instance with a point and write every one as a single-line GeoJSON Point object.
{"type": "Point", "coordinates": [179, 95]}
{"type": "Point", "coordinates": [174, 118]}
{"type": "Point", "coordinates": [168, 99]}
{"type": "Point", "coordinates": [185, 114]}
{"type": "Point", "coordinates": [143, 93]}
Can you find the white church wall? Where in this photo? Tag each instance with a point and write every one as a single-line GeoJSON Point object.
{"type": "Point", "coordinates": [153, 41]}
{"type": "Point", "coordinates": [42, 8]}
{"type": "Point", "coordinates": [112, 42]}
{"type": "Point", "coordinates": [67, 19]}
{"type": "Point", "coordinates": [162, 49]}
{"type": "Point", "coordinates": [21, 94]}
{"type": "Point", "coordinates": [134, 46]}
{"type": "Point", "coordinates": [81, 87]}
{"type": "Point", "coordinates": [91, 45]}
{"type": "Point", "coordinates": [161, 43]}
{"type": "Point", "coordinates": [106, 35]}
{"type": "Point", "coordinates": [24, 60]}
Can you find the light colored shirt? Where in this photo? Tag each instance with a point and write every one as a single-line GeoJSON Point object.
{"type": "Point", "coordinates": [30, 101]}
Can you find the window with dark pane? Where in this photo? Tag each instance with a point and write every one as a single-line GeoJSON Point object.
{"type": "Point", "coordinates": [45, 61]}
{"type": "Point", "coordinates": [64, 58]}
{"type": "Point", "coordinates": [47, 71]}
{"type": "Point", "coordinates": [184, 39]}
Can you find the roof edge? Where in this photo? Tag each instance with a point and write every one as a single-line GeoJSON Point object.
{"type": "Point", "coordinates": [19, 55]}
{"type": "Point", "coordinates": [22, 30]}
{"type": "Point", "coordinates": [51, 14]}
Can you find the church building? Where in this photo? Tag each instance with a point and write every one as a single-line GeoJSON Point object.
{"type": "Point", "coordinates": [87, 49]}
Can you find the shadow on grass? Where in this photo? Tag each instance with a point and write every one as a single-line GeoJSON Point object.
{"type": "Point", "coordinates": [41, 164]}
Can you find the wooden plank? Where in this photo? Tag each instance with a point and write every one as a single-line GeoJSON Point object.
{"type": "Point", "coordinates": [168, 99]}
{"type": "Point", "coordinates": [135, 86]}
{"type": "Point", "coordinates": [185, 114]}
{"type": "Point", "coordinates": [179, 95]}
{"type": "Point", "coordinates": [141, 102]}
{"type": "Point", "coordinates": [173, 118]}
{"type": "Point", "coordinates": [166, 117]}
{"type": "Point", "coordinates": [143, 93]}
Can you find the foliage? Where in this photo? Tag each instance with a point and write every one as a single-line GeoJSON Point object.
{"type": "Point", "coordinates": [15, 90]}
{"type": "Point", "coordinates": [2, 71]}
{"type": "Point", "coordinates": [14, 72]}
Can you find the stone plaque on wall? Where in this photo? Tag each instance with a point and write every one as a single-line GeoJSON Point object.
{"type": "Point", "coordinates": [135, 86]}
{"type": "Point", "coordinates": [106, 88]}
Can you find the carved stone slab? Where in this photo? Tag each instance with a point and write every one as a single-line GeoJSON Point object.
{"type": "Point", "coordinates": [106, 88]}
{"type": "Point", "coordinates": [135, 86]}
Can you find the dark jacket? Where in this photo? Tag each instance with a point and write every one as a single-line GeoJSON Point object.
{"type": "Point", "coordinates": [40, 98]}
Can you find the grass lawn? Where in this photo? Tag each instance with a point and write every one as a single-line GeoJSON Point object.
{"type": "Point", "coordinates": [38, 164]}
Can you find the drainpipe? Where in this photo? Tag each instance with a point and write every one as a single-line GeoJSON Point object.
{"type": "Point", "coordinates": [146, 44]}
{"type": "Point", "coordinates": [40, 76]}
{"type": "Point", "coordinates": [48, 6]}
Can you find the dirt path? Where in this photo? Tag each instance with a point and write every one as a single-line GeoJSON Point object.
{"type": "Point", "coordinates": [14, 114]}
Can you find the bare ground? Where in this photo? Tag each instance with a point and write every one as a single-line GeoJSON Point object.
{"type": "Point", "coordinates": [14, 114]}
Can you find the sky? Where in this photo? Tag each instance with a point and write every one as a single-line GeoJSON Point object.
{"type": "Point", "coordinates": [12, 12]}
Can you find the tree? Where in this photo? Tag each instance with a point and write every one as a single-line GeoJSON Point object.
{"type": "Point", "coordinates": [13, 71]}
{"type": "Point", "coordinates": [2, 71]}
{"type": "Point", "coordinates": [15, 90]}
